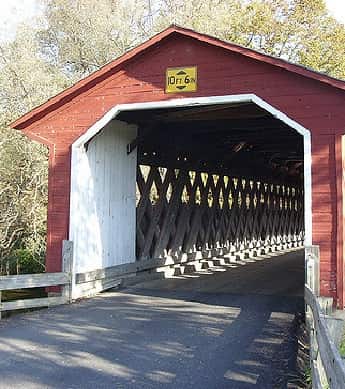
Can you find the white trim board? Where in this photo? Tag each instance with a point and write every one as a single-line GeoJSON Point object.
{"type": "Point", "coordinates": [77, 146]}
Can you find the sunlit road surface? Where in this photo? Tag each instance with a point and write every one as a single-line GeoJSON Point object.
{"type": "Point", "coordinates": [230, 326]}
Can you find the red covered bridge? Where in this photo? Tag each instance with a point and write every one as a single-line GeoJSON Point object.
{"type": "Point", "coordinates": [188, 146]}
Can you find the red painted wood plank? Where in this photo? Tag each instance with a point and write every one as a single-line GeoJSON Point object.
{"type": "Point", "coordinates": [322, 202]}
{"type": "Point", "coordinates": [340, 233]}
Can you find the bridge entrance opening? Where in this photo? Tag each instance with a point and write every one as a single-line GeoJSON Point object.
{"type": "Point", "coordinates": [216, 180]}
{"type": "Point", "coordinates": [179, 183]}
{"type": "Point", "coordinates": [221, 182]}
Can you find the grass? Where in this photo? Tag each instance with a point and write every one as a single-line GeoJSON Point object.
{"type": "Point", "coordinates": [307, 378]}
{"type": "Point", "coordinates": [342, 347]}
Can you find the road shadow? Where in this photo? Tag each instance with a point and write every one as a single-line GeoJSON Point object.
{"type": "Point", "coordinates": [142, 338]}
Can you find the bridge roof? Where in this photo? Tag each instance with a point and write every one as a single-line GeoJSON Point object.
{"type": "Point", "coordinates": [86, 83]}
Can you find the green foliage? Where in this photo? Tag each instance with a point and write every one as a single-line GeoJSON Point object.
{"type": "Point", "coordinates": [307, 377]}
{"type": "Point", "coordinates": [82, 35]}
{"type": "Point", "coordinates": [342, 347]}
{"type": "Point", "coordinates": [22, 261]}
{"type": "Point", "coordinates": [75, 37]}
{"type": "Point", "coordinates": [297, 30]}
{"type": "Point", "coordinates": [23, 189]}
{"type": "Point", "coordinates": [26, 80]}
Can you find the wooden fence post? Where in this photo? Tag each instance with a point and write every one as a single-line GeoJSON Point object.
{"type": "Point", "coordinates": [312, 268]}
{"type": "Point", "coordinates": [67, 262]}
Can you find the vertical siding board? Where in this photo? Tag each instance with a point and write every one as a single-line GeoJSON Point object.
{"type": "Point", "coordinates": [101, 193]}
{"type": "Point", "coordinates": [105, 224]}
{"type": "Point", "coordinates": [339, 158]}
{"type": "Point", "coordinates": [324, 207]}
{"type": "Point", "coordinates": [115, 200]}
{"type": "Point", "coordinates": [110, 183]}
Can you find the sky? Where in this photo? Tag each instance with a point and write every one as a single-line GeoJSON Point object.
{"type": "Point", "coordinates": [337, 9]}
{"type": "Point", "coordinates": [16, 11]}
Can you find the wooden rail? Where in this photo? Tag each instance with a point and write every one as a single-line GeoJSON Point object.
{"type": "Point", "coordinates": [26, 281]}
{"type": "Point", "coordinates": [325, 358]}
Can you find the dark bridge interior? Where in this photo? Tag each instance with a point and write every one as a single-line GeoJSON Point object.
{"type": "Point", "coordinates": [243, 140]}
{"type": "Point", "coordinates": [220, 179]}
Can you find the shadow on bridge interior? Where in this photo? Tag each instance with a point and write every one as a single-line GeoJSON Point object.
{"type": "Point", "coordinates": [276, 273]}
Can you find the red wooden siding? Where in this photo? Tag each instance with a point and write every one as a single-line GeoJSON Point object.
{"type": "Point", "coordinates": [315, 105]}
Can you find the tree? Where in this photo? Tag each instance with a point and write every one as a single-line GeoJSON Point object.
{"type": "Point", "coordinates": [83, 35]}
{"type": "Point", "coordinates": [25, 81]}
{"type": "Point", "coordinates": [296, 30]}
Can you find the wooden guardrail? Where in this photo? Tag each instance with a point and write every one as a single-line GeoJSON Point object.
{"type": "Point", "coordinates": [326, 362]}
{"type": "Point", "coordinates": [26, 281]}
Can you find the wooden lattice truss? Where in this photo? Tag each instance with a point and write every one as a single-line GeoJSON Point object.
{"type": "Point", "coordinates": [181, 212]}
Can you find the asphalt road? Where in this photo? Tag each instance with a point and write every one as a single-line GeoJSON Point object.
{"type": "Point", "coordinates": [231, 327]}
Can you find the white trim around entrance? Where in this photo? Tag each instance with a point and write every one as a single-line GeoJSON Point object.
{"type": "Point", "coordinates": [77, 146]}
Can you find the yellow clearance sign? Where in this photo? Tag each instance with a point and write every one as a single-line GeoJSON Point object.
{"type": "Point", "coordinates": [181, 79]}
